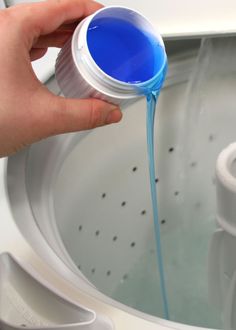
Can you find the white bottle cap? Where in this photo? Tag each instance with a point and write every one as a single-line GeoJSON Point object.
{"type": "Point", "coordinates": [80, 77]}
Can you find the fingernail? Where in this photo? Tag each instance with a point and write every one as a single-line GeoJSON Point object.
{"type": "Point", "coordinates": [111, 106]}
{"type": "Point", "coordinates": [114, 116]}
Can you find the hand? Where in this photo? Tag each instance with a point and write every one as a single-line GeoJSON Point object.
{"type": "Point", "coordinates": [28, 111]}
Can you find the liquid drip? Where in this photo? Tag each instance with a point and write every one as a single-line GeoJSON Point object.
{"type": "Point", "coordinates": [128, 54]}
{"type": "Point", "coordinates": [151, 109]}
{"type": "Point", "coordinates": [123, 51]}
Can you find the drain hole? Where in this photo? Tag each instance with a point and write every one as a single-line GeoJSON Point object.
{"type": "Point", "coordinates": [103, 195]}
{"type": "Point", "coordinates": [132, 244]}
{"type": "Point", "coordinates": [80, 228]}
{"type": "Point", "coordinates": [176, 193]}
{"type": "Point", "coordinates": [93, 270]}
{"type": "Point", "coordinates": [143, 212]}
{"type": "Point", "coordinates": [134, 169]}
{"type": "Point", "coordinates": [79, 267]}
{"type": "Point", "coordinates": [156, 180]}
{"type": "Point", "coordinates": [211, 137]}
{"type": "Point", "coordinates": [123, 203]}
{"type": "Point", "coordinates": [171, 149]}
{"type": "Point", "coordinates": [97, 232]}
{"type": "Point", "coordinates": [114, 238]}
{"type": "Point", "coordinates": [163, 221]}
{"type": "Point", "coordinates": [193, 164]}
{"type": "Point", "coordinates": [125, 277]}
{"type": "Point", "coordinates": [108, 273]}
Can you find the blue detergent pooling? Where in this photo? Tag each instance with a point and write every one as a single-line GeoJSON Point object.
{"type": "Point", "coordinates": [123, 51]}
{"type": "Point", "coordinates": [127, 54]}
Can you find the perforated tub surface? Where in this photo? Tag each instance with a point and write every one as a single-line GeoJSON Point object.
{"type": "Point", "coordinates": [90, 192]}
{"type": "Point", "coordinates": [103, 210]}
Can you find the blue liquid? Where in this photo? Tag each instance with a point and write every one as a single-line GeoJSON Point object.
{"type": "Point", "coordinates": [151, 109]}
{"type": "Point", "coordinates": [123, 51]}
{"type": "Point", "coordinates": [127, 54]}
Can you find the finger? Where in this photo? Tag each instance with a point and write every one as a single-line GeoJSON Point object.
{"type": "Point", "coordinates": [71, 115]}
{"type": "Point", "coordinates": [56, 39]}
{"type": "Point", "coordinates": [69, 26]}
{"type": "Point", "coordinates": [45, 17]}
{"type": "Point", "coordinates": [37, 53]}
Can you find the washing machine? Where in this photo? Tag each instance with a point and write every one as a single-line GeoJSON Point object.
{"type": "Point", "coordinates": [77, 244]}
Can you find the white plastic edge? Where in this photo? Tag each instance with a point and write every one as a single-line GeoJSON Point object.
{"type": "Point", "coordinates": [222, 167]}
{"type": "Point", "coordinates": [87, 67]}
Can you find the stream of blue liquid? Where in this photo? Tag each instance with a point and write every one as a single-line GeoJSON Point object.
{"type": "Point", "coordinates": [130, 55]}
{"type": "Point", "coordinates": [151, 110]}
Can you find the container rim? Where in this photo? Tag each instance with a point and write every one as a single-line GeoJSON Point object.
{"type": "Point", "coordinates": [81, 45]}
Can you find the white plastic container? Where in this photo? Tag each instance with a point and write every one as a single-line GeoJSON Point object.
{"type": "Point", "coordinates": [79, 76]}
{"type": "Point", "coordinates": [226, 189]}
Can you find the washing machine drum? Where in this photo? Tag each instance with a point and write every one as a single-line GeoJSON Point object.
{"type": "Point", "coordinates": [88, 195]}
